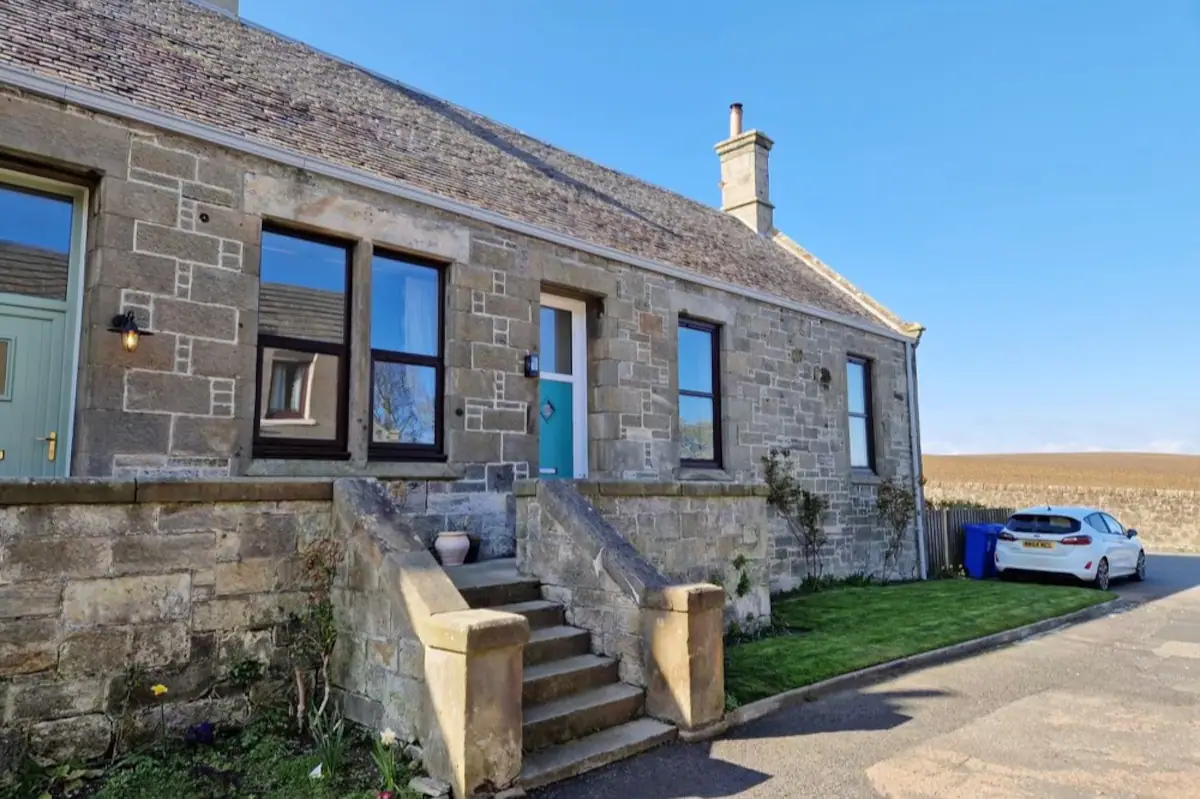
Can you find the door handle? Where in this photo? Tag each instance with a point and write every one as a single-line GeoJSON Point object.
{"type": "Point", "coordinates": [51, 446]}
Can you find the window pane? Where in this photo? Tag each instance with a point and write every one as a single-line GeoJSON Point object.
{"type": "Point", "coordinates": [299, 395]}
{"type": "Point", "coordinates": [856, 386]}
{"type": "Point", "coordinates": [35, 243]}
{"type": "Point", "coordinates": [405, 311]}
{"type": "Point", "coordinates": [696, 441]}
{"type": "Point", "coordinates": [556, 341]}
{"type": "Point", "coordinates": [695, 360]}
{"type": "Point", "coordinates": [405, 404]}
{"type": "Point", "coordinates": [860, 454]}
{"type": "Point", "coordinates": [303, 289]}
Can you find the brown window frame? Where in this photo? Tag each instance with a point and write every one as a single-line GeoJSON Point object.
{"type": "Point", "coordinates": [299, 448]}
{"type": "Point", "coordinates": [868, 414]}
{"type": "Point", "coordinates": [409, 451]}
{"type": "Point", "coordinates": [714, 332]}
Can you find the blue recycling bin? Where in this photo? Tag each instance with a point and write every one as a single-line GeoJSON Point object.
{"type": "Point", "coordinates": [979, 549]}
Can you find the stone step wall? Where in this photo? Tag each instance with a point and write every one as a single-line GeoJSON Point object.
{"type": "Point", "coordinates": [110, 587]}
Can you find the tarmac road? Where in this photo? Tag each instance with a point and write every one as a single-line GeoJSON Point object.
{"type": "Point", "coordinates": [1108, 708]}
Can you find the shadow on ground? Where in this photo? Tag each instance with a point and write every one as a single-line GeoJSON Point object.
{"type": "Point", "coordinates": [684, 770]}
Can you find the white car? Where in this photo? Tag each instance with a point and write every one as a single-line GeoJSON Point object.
{"type": "Point", "coordinates": [1085, 542]}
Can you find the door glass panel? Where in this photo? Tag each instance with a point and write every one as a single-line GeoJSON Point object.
{"type": "Point", "coordinates": [35, 243]}
{"type": "Point", "coordinates": [556, 340]}
{"type": "Point", "coordinates": [4, 348]}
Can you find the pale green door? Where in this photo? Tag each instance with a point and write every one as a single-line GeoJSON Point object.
{"type": "Point", "coordinates": [32, 394]}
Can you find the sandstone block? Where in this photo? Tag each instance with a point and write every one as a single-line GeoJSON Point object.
{"type": "Point", "coordinates": [140, 201]}
{"type": "Point", "coordinates": [153, 158]}
{"type": "Point", "coordinates": [53, 133]}
{"type": "Point", "coordinates": [167, 393]}
{"type": "Point", "coordinates": [81, 737]}
{"type": "Point", "coordinates": [28, 646]}
{"type": "Point", "coordinates": [29, 599]}
{"type": "Point", "coordinates": [44, 698]}
{"type": "Point", "coordinates": [158, 645]}
{"type": "Point", "coordinates": [55, 558]}
{"type": "Point", "coordinates": [137, 554]}
{"type": "Point", "coordinates": [127, 600]}
{"type": "Point", "coordinates": [180, 244]}
{"type": "Point", "coordinates": [196, 319]}
{"type": "Point", "coordinates": [94, 652]}
{"type": "Point", "coordinates": [250, 576]}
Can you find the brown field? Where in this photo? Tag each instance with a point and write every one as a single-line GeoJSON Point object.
{"type": "Point", "coordinates": [1084, 469]}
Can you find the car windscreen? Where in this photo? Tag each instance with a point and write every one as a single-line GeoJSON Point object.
{"type": "Point", "coordinates": [1049, 524]}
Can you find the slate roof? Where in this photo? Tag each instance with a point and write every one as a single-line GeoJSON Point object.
{"type": "Point", "coordinates": [180, 58]}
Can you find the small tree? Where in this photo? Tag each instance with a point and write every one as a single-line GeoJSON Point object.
{"type": "Point", "coordinates": [802, 510]}
{"type": "Point", "coordinates": [896, 505]}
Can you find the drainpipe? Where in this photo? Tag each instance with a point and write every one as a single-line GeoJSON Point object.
{"type": "Point", "coordinates": [914, 433]}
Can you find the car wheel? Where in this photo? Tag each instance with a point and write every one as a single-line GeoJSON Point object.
{"type": "Point", "coordinates": [1140, 574]}
{"type": "Point", "coordinates": [1101, 581]}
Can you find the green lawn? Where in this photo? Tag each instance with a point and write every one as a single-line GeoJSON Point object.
{"type": "Point", "coordinates": [852, 628]}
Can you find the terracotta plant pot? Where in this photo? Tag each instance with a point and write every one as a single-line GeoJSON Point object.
{"type": "Point", "coordinates": [452, 546]}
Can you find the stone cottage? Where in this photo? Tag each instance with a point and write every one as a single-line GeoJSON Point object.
{"type": "Point", "coordinates": [227, 255]}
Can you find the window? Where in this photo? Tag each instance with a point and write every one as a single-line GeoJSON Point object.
{"type": "Point", "coordinates": [858, 405]}
{"type": "Point", "coordinates": [406, 357]}
{"type": "Point", "coordinates": [303, 358]}
{"type": "Point", "coordinates": [699, 395]}
{"type": "Point", "coordinates": [289, 390]}
{"type": "Point", "coordinates": [1046, 524]}
{"type": "Point", "coordinates": [1115, 526]}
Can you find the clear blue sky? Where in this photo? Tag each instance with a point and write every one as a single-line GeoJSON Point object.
{"type": "Point", "coordinates": [1021, 176]}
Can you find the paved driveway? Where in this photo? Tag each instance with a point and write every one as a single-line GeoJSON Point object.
{"type": "Point", "coordinates": [1108, 708]}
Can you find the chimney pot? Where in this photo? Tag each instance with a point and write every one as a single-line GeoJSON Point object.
{"type": "Point", "coordinates": [735, 120]}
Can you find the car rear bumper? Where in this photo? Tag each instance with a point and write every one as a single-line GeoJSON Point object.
{"type": "Point", "coordinates": [1078, 564]}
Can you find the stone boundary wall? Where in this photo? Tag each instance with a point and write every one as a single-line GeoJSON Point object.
{"type": "Point", "coordinates": [1167, 520]}
{"type": "Point", "coordinates": [175, 582]}
{"type": "Point", "coordinates": [695, 532]}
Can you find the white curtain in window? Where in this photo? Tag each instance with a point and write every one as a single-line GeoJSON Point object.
{"type": "Point", "coordinates": [421, 313]}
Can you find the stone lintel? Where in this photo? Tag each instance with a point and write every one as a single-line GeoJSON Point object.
{"type": "Point", "coordinates": [67, 491]}
{"type": "Point", "coordinates": [476, 630]}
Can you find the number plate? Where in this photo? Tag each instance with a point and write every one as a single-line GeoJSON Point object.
{"type": "Point", "coordinates": [1038, 544]}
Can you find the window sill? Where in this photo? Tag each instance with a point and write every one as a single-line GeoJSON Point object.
{"type": "Point", "coordinates": [286, 422]}
{"type": "Point", "coordinates": [865, 477]}
{"type": "Point", "coordinates": [703, 474]}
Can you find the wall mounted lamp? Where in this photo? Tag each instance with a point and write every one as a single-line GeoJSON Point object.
{"type": "Point", "coordinates": [127, 326]}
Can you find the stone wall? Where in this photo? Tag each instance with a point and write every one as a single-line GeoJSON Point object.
{"type": "Point", "coordinates": [174, 236]}
{"type": "Point", "coordinates": [1167, 520]}
{"type": "Point", "coordinates": [174, 582]}
{"type": "Point", "coordinates": [698, 532]}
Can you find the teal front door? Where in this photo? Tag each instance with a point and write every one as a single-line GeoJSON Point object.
{"type": "Point", "coordinates": [562, 400]}
{"type": "Point", "coordinates": [32, 394]}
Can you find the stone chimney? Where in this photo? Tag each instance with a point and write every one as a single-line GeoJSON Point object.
{"type": "Point", "coordinates": [745, 187]}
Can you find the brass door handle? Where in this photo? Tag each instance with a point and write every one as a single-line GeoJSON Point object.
{"type": "Point", "coordinates": [51, 446]}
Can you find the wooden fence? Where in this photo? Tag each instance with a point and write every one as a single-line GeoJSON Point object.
{"type": "Point", "coordinates": [944, 533]}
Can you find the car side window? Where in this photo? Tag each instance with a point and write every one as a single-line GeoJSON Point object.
{"type": "Point", "coordinates": [1096, 521]}
{"type": "Point", "coordinates": [1114, 525]}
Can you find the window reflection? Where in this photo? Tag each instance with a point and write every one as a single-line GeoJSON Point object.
{"type": "Point", "coordinates": [35, 243]}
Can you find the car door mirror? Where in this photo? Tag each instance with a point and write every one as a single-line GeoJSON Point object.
{"type": "Point", "coordinates": [1131, 532]}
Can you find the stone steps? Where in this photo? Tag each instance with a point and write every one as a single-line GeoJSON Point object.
{"type": "Point", "coordinates": [577, 714]}
{"type": "Point", "coordinates": [559, 678]}
{"type": "Point", "coordinates": [593, 751]}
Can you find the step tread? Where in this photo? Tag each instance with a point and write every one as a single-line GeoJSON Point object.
{"type": "Point", "coordinates": [531, 606]}
{"type": "Point", "coordinates": [584, 700]}
{"type": "Point", "coordinates": [487, 573]}
{"type": "Point", "coordinates": [593, 751]}
{"type": "Point", "coordinates": [555, 668]}
{"type": "Point", "coordinates": [557, 631]}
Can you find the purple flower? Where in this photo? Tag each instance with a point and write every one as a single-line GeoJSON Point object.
{"type": "Point", "coordinates": [201, 733]}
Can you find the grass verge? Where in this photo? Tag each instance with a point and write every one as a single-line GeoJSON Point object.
{"type": "Point", "coordinates": [844, 629]}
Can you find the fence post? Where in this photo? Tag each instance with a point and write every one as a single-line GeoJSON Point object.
{"type": "Point", "coordinates": [946, 539]}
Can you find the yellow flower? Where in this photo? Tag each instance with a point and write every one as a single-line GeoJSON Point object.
{"type": "Point", "coordinates": [158, 690]}
{"type": "Point", "coordinates": [387, 737]}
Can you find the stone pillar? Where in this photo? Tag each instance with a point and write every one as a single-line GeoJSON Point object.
{"type": "Point", "coordinates": [473, 669]}
{"type": "Point", "coordinates": [685, 665]}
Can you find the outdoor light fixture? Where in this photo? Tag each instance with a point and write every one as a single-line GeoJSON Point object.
{"type": "Point", "coordinates": [127, 326]}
